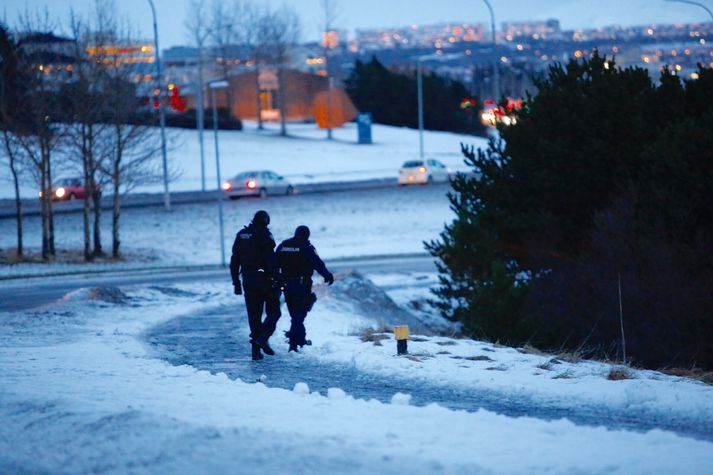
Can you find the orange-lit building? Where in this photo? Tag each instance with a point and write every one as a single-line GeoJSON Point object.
{"type": "Point", "coordinates": [305, 95]}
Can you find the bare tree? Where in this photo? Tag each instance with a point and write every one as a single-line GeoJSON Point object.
{"type": "Point", "coordinates": [131, 142]}
{"type": "Point", "coordinates": [280, 30]}
{"type": "Point", "coordinates": [240, 24]}
{"type": "Point", "coordinates": [224, 35]}
{"type": "Point", "coordinates": [251, 38]}
{"type": "Point", "coordinates": [88, 121]}
{"type": "Point", "coordinates": [11, 84]}
{"type": "Point", "coordinates": [12, 153]}
{"type": "Point", "coordinates": [40, 135]}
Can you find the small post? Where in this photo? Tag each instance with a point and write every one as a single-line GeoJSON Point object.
{"type": "Point", "coordinates": [401, 335]}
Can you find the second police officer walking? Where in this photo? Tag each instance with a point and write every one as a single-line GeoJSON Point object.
{"type": "Point", "coordinates": [254, 258]}
{"type": "Point", "coordinates": [297, 260]}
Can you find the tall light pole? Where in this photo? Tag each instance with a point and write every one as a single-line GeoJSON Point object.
{"type": "Point", "coordinates": [419, 84]}
{"type": "Point", "coordinates": [161, 112]}
{"type": "Point", "coordinates": [213, 86]}
{"type": "Point", "coordinates": [496, 62]}
{"type": "Point", "coordinates": [698, 4]}
{"type": "Point", "coordinates": [200, 121]}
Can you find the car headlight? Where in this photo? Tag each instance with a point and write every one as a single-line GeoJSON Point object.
{"type": "Point", "coordinates": [60, 192]}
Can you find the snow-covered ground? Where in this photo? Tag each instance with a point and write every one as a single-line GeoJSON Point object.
{"type": "Point", "coordinates": [305, 156]}
{"type": "Point", "coordinates": [82, 392]}
{"type": "Point", "coordinates": [345, 224]}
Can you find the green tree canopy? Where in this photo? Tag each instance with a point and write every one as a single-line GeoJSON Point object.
{"type": "Point", "coordinates": [605, 175]}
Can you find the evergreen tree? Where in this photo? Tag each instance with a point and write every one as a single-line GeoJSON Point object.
{"type": "Point", "coordinates": [391, 97]}
{"type": "Point", "coordinates": [605, 176]}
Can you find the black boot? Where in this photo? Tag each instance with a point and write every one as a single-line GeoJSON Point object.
{"type": "Point", "coordinates": [257, 355]}
{"type": "Point", "coordinates": [293, 347]}
{"type": "Point", "coordinates": [265, 346]}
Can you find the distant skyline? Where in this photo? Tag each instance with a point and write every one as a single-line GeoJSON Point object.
{"type": "Point", "coordinates": [363, 14]}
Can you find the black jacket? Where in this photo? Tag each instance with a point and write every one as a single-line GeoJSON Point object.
{"type": "Point", "coordinates": [253, 251]}
{"type": "Point", "coordinates": [297, 258]}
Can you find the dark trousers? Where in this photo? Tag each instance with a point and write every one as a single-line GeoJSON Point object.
{"type": "Point", "coordinates": [297, 299]}
{"type": "Point", "coordinates": [259, 298]}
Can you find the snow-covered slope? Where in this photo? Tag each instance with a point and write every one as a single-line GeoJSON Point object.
{"type": "Point", "coordinates": [81, 392]}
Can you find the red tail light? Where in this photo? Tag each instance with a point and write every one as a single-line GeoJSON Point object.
{"type": "Point", "coordinates": [251, 184]}
{"type": "Point", "coordinates": [227, 186]}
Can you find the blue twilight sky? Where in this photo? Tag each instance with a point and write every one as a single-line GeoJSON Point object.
{"type": "Point", "coordinates": [355, 14]}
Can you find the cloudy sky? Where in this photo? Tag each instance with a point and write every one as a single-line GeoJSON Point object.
{"type": "Point", "coordinates": [355, 14]}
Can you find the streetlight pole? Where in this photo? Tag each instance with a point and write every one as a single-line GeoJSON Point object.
{"type": "Point", "coordinates": [200, 117]}
{"type": "Point", "coordinates": [213, 86]}
{"type": "Point", "coordinates": [419, 84]}
{"type": "Point", "coordinates": [496, 62]}
{"type": "Point", "coordinates": [698, 4]}
{"type": "Point", "coordinates": [161, 112]}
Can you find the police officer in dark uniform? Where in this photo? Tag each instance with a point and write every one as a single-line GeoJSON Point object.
{"type": "Point", "coordinates": [297, 260]}
{"type": "Point", "coordinates": [254, 258]}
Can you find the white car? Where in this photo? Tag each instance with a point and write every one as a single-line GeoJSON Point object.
{"type": "Point", "coordinates": [257, 183]}
{"type": "Point", "coordinates": [423, 171]}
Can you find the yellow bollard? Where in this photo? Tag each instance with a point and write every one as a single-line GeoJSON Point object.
{"type": "Point", "coordinates": [401, 335]}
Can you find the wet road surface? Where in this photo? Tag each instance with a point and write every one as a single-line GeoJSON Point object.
{"type": "Point", "coordinates": [216, 340]}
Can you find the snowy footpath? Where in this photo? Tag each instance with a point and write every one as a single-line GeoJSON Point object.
{"type": "Point", "coordinates": [84, 390]}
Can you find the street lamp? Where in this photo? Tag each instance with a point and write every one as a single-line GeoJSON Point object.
{"type": "Point", "coordinates": [161, 112]}
{"type": "Point", "coordinates": [496, 62]}
{"type": "Point", "coordinates": [698, 4]}
{"type": "Point", "coordinates": [419, 84]}
{"type": "Point", "coordinates": [213, 86]}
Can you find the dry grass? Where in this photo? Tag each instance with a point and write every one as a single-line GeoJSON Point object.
{"type": "Point", "coordinates": [619, 373]}
{"type": "Point", "coordinates": [375, 335]}
{"type": "Point", "coordinates": [531, 350]}
{"type": "Point", "coordinates": [692, 373]}
{"type": "Point", "coordinates": [565, 375]}
{"type": "Point", "coordinates": [570, 356]}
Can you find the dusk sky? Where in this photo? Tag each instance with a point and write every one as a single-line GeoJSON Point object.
{"type": "Point", "coordinates": [355, 14]}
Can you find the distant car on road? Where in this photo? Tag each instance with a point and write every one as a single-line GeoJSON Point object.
{"type": "Point", "coordinates": [257, 183]}
{"type": "Point", "coordinates": [68, 189]}
{"type": "Point", "coordinates": [423, 171]}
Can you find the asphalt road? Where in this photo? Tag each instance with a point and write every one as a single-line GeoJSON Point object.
{"type": "Point", "coordinates": [31, 207]}
{"type": "Point", "coordinates": [27, 294]}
